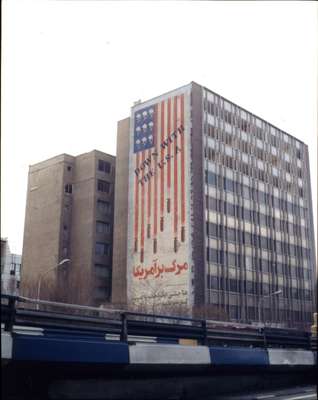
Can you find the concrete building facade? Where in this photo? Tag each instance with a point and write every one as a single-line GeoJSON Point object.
{"type": "Point", "coordinates": [219, 211]}
{"type": "Point", "coordinates": [69, 219]}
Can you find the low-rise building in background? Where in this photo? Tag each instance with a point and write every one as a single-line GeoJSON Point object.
{"type": "Point", "coordinates": [10, 269]}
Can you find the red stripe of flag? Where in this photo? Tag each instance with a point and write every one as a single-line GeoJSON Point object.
{"type": "Point", "coordinates": [162, 171]}
{"type": "Point", "coordinates": [169, 150]}
{"type": "Point", "coordinates": [155, 199]}
{"type": "Point", "coordinates": [175, 170]}
{"type": "Point", "coordinates": [142, 229]}
{"type": "Point", "coordinates": [149, 188]}
{"type": "Point", "coordinates": [136, 203]}
{"type": "Point", "coordinates": [182, 165]}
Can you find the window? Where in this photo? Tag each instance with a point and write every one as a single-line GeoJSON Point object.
{"type": "Point", "coordinates": [247, 214]}
{"type": "Point", "coordinates": [228, 185]}
{"type": "Point", "coordinates": [249, 287]}
{"type": "Point", "coordinates": [248, 262]}
{"type": "Point", "coordinates": [233, 285]}
{"type": "Point", "coordinates": [251, 313]}
{"type": "Point", "coordinates": [247, 238]}
{"type": "Point", "coordinates": [104, 166]}
{"type": "Point", "coordinates": [102, 227]}
{"type": "Point", "coordinates": [229, 151]}
{"type": "Point", "coordinates": [229, 209]}
{"type": "Point", "coordinates": [246, 192]}
{"type": "Point", "coordinates": [102, 249]}
{"type": "Point", "coordinates": [260, 165]}
{"type": "Point", "coordinates": [234, 314]}
{"type": "Point", "coordinates": [280, 268]}
{"type": "Point", "coordinates": [231, 234]}
{"type": "Point", "coordinates": [265, 288]}
{"type": "Point", "coordinates": [264, 265]}
{"type": "Point", "coordinates": [102, 293]}
{"type": "Point", "coordinates": [68, 188]}
{"type": "Point", "coordinates": [231, 259]}
{"type": "Point", "coordinates": [213, 282]}
{"type": "Point", "coordinates": [259, 144]}
{"type": "Point", "coordinates": [212, 255]}
{"type": "Point", "coordinates": [104, 207]}
{"type": "Point", "coordinates": [103, 186]}
{"type": "Point", "coordinates": [212, 229]}
{"type": "Point", "coordinates": [102, 271]}
{"type": "Point", "coordinates": [211, 177]}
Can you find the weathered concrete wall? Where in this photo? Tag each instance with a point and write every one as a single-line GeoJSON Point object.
{"type": "Point", "coordinates": [169, 354]}
{"type": "Point", "coordinates": [197, 189]}
{"type": "Point", "coordinates": [290, 357]}
{"type": "Point", "coordinates": [119, 277]}
{"type": "Point", "coordinates": [42, 230]}
{"type": "Point", "coordinates": [6, 346]}
{"type": "Point", "coordinates": [60, 223]}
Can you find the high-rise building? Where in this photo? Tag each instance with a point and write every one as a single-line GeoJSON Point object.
{"type": "Point", "coordinates": [10, 269]}
{"type": "Point", "coordinates": [68, 229]}
{"type": "Point", "coordinates": [219, 211]}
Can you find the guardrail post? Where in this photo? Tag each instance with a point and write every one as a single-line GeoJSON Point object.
{"type": "Point", "coordinates": [205, 334]}
{"type": "Point", "coordinates": [124, 328]}
{"type": "Point", "coordinates": [264, 337]}
{"type": "Point", "coordinates": [9, 323]}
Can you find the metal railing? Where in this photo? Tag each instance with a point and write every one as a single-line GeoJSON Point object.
{"type": "Point", "coordinates": [77, 319]}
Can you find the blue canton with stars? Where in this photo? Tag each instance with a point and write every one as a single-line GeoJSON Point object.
{"type": "Point", "coordinates": [144, 134]}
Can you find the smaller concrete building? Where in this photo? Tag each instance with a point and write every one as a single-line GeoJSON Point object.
{"type": "Point", "coordinates": [68, 231]}
{"type": "Point", "coordinates": [10, 269]}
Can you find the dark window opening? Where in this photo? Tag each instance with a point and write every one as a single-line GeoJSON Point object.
{"type": "Point", "coordinates": [68, 188]}
{"type": "Point", "coordinates": [102, 249]}
{"type": "Point", "coordinates": [103, 186]}
{"type": "Point", "coordinates": [102, 227]}
{"type": "Point", "coordinates": [104, 206]}
{"type": "Point", "coordinates": [104, 166]}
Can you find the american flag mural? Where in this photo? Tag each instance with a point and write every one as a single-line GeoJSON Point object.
{"type": "Point", "coordinates": [159, 228]}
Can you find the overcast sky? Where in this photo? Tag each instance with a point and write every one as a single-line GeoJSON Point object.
{"type": "Point", "coordinates": [72, 69]}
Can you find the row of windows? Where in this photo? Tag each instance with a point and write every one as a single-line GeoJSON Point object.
{"type": "Point", "coordinates": [266, 266]}
{"type": "Point", "coordinates": [253, 263]}
{"type": "Point", "coordinates": [259, 172]}
{"type": "Point", "coordinates": [263, 242]}
{"type": "Point", "coordinates": [247, 192]}
{"type": "Point", "coordinates": [257, 149]}
{"type": "Point", "coordinates": [249, 127]}
{"type": "Point", "coordinates": [256, 217]}
{"type": "Point", "coordinates": [253, 287]}
{"type": "Point", "coordinates": [102, 186]}
{"type": "Point", "coordinates": [235, 312]}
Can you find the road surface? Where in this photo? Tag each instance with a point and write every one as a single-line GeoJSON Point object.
{"type": "Point", "coordinates": [294, 393]}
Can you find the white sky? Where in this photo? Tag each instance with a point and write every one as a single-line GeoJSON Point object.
{"type": "Point", "coordinates": [72, 69]}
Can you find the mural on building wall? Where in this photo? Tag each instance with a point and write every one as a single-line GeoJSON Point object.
{"type": "Point", "coordinates": [160, 263]}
